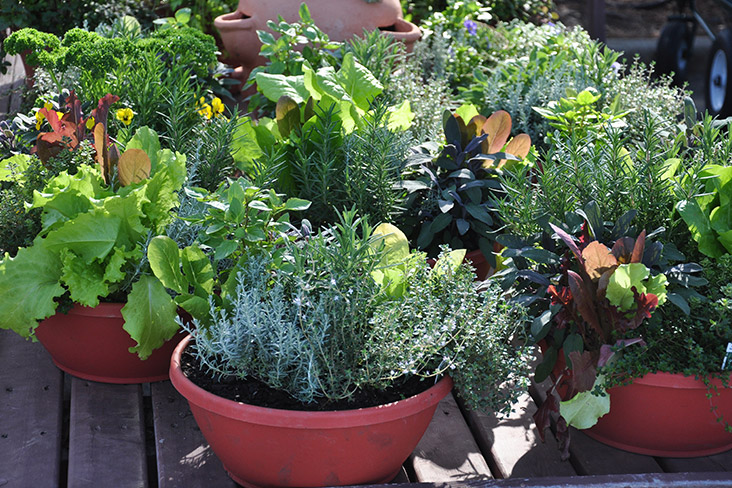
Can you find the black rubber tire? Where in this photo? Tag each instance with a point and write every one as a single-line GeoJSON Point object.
{"type": "Point", "coordinates": [674, 49]}
{"type": "Point", "coordinates": [718, 85]}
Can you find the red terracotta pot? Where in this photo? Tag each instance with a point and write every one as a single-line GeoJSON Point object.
{"type": "Point", "coordinates": [91, 344]}
{"type": "Point", "coordinates": [270, 447]}
{"type": "Point", "coordinates": [669, 415]}
{"type": "Point", "coordinates": [340, 19]}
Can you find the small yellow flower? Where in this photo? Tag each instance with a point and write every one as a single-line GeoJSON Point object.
{"type": "Point", "coordinates": [217, 106]}
{"type": "Point", "coordinates": [206, 111]}
{"type": "Point", "coordinates": [39, 119]}
{"type": "Point", "coordinates": [90, 123]}
{"type": "Point", "coordinates": [59, 115]}
{"type": "Point", "coordinates": [125, 115]}
{"type": "Point", "coordinates": [48, 105]}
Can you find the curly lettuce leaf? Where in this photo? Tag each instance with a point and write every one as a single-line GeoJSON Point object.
{"type": "Point", "coordinates": [584, 409]}
{"type": "Point", "coordinates": [634, 275]}
{"type": "Point", "coordinates": [29, 282]}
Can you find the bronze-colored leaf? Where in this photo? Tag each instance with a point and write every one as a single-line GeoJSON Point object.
{"type": "Point", "coordinates": [100, 144]}
{"type": "Point", "coordinates": [638, 248]}
{"type": "Point", "coordinates": [584, 301]}
{"type": "Point", "coordinates": [498, 128]}
{"type": "Point", "coordinates": [133, 166]}
{"type": "Point", "coordinates": [584, 372]}
{"type": "Point", "coordinates": [287, 114]}
{"type": "Point", "coordinates": [598, 259]}
{"type": "Point", "coordinates": [475, 125]}
{"type": "Point", "coordinates": [519, 146]}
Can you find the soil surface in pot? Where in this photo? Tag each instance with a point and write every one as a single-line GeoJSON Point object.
{"type": "Point", "coordinates": [254, 392]}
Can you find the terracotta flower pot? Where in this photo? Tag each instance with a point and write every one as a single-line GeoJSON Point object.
{"type": "Point", "coordinates": [664, 414]}
{"type": "Point", "coordinates": [91, 344]}
{"type": "Point", "coordinates": [340, 19]}
{"type": "Point", "coordinates": [270, 447]}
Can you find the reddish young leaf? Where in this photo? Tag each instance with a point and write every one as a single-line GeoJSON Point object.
{"type": "Point", "coordinates": [646, 303]}
{"type": "Point", "coordinates": [584, 372]}
{"type": "Point", "coordinates": [563, 438]}
{"type": "Point", "coordinates": [567, 239]}
{"type": "Point", "coordinates": [475, 124]}
{"type": "Point", "coordinates": [101, 113]}
{"type": "Point", "coordinates": [100, 144]}
{"type": "Point", "coordinates": [584, 301]}
{"type": "Point", "coordinates": [640, 244]}
{"type": "Point", "coordinates": [73, 106]}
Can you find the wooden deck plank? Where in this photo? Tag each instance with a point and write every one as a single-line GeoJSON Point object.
{"type": "Point", "coordinates": [718, 462]}
{"type": "Point", "coordinates": [648, 480]}
{"type": "Point", "coordinates": [106, 436]}
{"type": "Point", "coordinates": [515, 446]}
{"type": "Point", "coordinates": [590, 457]}
{"type": "Point", "coordinates": [31, 402]}
{"type": "Point", "coordinates": [448, 451]}
{"type": "Point", "coordinates": [184, 457]}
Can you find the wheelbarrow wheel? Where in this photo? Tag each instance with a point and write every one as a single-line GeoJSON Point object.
{"type": "Point", "coordinates": [673, 50]}
{"type": "Point", "coordinates": [718, 89]}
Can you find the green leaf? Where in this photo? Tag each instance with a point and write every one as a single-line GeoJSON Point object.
{"type": "Point", "coordinates": [164, 257]}
{"type": "Point", "coordinates": [584, 409]}
{"type": "Point", "coordinates": [90, 236]}
{"type": "Point", "coordinates": [479, 212]}
{"type": "Point", "coordinates": [396, 244]}
{"type": "Point", "coordinates": [401, 117]}
{"type": "Point", "coordinates": [540, 325]}
{"type": "Point", "coordinates": [11, 169]}
{"type": "Point", "coordinates": [149, 316]}
{"type": "Point", "coordinates": [146, 139]}
{"type": "Point", "coordinates": [29, 282]}
{"type": "Point", "coordinates": [183, 16]}
{"type": "Point", "coordinates": [634, 275]}
{"type": "Point", "coordinates": [448, 262]}
{"type": "Point", "coordinates": [84, 280]}
{"type": "Point", "coordinates": [297, 204]}
{"type": "Point", "coordinates": [276, 86]}
{"type": "Point", "coordinates": [358, 82]}
{"type": "Point", "coordinates": [197, 270]}
{"type": "Point", "coordinates": [467, 111]}
{"type": "Point", "coordinates": [440, 222]}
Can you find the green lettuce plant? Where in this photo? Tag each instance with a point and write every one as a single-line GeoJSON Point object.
{"type": "Point", "coordinates": [91, 247]}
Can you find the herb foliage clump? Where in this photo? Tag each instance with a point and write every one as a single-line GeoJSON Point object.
{"type": "Point", "coordinates": [343, 311]}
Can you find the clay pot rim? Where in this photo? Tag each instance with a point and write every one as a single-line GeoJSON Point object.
{"type": "Point", "coordinates": [334, 419]}
{"type": "Point", "coordinates": [233, 21]}
{"type": "Point", "coordinates": [104, 309]}
{"type": "Point", "coordinates": [680, 381]}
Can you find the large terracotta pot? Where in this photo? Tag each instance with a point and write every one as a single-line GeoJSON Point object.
{"type": "Point", "coordinates": [270, 447]}
{"type": "Point", "coordinates": [660, 414]}
{"type": "Point", "coordinates": [340, 19]}
{"type": "Point", "coordinates": [91, 344]}
{"type": "Point", "coordinates": [669, 415]}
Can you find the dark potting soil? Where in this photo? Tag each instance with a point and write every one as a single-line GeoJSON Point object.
{"type": "Point", "coordinates": [254, 392]}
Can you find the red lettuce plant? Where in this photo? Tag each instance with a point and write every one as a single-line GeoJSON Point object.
{"type": "Point", "coordinates": [68, 130]}
{"type": "Point", "coordinates": [588, 287]}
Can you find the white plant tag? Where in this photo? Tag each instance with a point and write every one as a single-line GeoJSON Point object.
{"type": "Point", "coordinates": [727, 357]}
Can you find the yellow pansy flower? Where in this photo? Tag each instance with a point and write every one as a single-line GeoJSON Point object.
{"type": "Point", "coordinates": [39, 119]}
{"type": "Point", "coordinates": [48, 105]}
{"type": "Point", "coordinates": [217, 106]}
{"type": "Point", "coordinates": [90, 123]}
{"type": "Point", "coordinates": [125, 115]}
{"type": "Point", "coordinates": [206, 111]}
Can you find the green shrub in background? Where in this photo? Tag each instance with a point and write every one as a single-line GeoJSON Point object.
{"type": "Point", "coordinates": [501, 10]}
{"type": "Point", "coordinates": [147, 71]}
